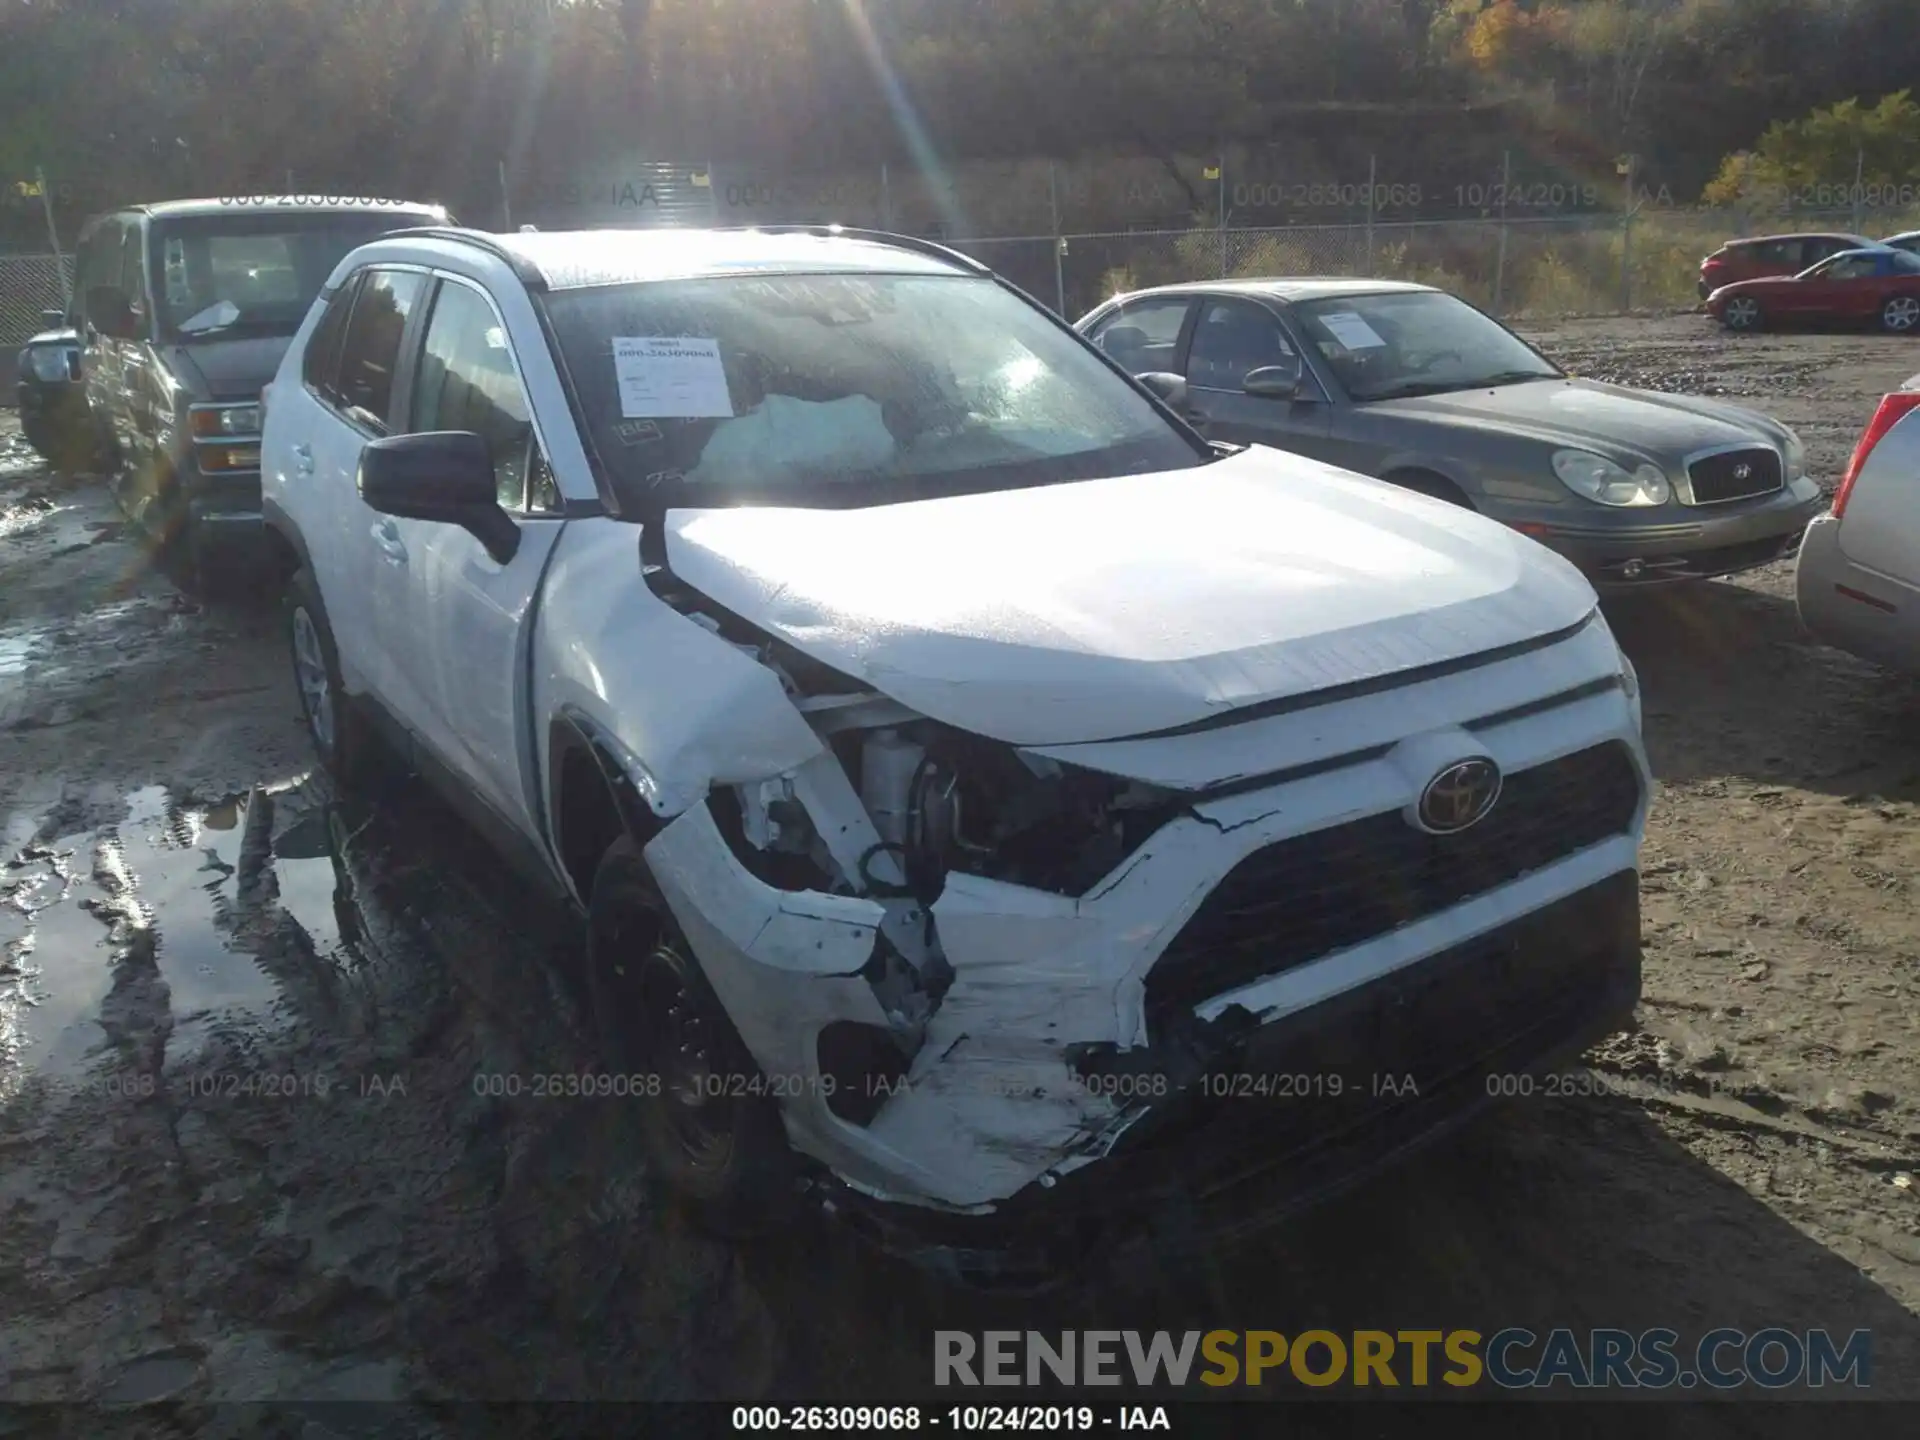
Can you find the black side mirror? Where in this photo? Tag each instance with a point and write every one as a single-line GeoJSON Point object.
{"type": "Point", "coordinates": [1171, 388]}
{"type": "Point", "coordinates": [1275, 382]}
{"type": "Point", "coordinates": [444, 476]}
{"type": "Point", "coordinates": [109, 312]}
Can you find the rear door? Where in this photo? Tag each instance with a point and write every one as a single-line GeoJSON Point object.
{"type": "Point", "coordinates": [301, 428]}
{"type": "Point", "coordinates": [365, 592]}
{"type": "Point", "coordinates": [1762, 258]}
{"type": "Point", "coordinates": [461, 632]}
{"type": "Point", "coordinates": [1144, 336]}
{"type": "Point", "coordinates": [1815, 293]}
{"type": "Point", "coordinates": [1232, 337]}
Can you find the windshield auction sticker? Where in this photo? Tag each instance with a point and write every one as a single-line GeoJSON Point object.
{"type": "Point", "coordinates": [670, 377]}
{"type": "Point", "coordinates": [1352, 331]}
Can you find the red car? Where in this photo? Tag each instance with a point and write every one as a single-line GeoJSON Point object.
{"type": "Point", "coordinates": [1765, 255]}
{"type": "Point", "coordinates": [1880, 285]}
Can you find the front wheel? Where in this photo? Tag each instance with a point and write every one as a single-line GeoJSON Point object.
{"type": "Point", "coordinates": [1743, 312]}
{"type": "Point", "coordinates": [1901, 315]}
{"type": "Point", "coordinates": [710, 1132]}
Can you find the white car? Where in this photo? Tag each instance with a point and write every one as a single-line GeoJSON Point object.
{"type": "Point", "coordinates": [994, 808]}
{"type": "Point", "coordinates": [1858, 575]}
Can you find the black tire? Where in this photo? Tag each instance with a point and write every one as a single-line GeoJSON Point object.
{"type": "Point", "coordinates": [1900, 315]}
{"type": "Point", "coordinates": [70, 452]}
{"type": "Point", "coordinates": [1425, 482]}
{"type": "Point", "coordinates": [723, 1158]}
{"type": "Point", "coordinates": [344, 745]}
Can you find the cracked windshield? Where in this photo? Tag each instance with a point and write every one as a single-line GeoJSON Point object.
{"type": "Point", "coordinates": [892, 715]}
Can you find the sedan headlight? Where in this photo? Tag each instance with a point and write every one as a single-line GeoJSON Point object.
{"type": "Point", "coordinates": [216, 422]}
{"type": "Point", "coordinates": [1596, 478]}
{"type": "Point", "coordinates": [48, 363]}
{"type": "Point", "coordinates": [1796, 454]}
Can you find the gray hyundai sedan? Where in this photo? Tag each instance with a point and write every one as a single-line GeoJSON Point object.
{"type": "Point", "coordinates": [1413, 385]}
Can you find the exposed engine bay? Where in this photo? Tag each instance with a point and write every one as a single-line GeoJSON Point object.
{"type": "Point", "coordinates": [941, 800]}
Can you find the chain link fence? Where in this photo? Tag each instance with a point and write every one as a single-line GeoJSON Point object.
{"type": "Point", "coordinates": [28, 285]}
{"type": "Point", "coordinates": [1522, 267]}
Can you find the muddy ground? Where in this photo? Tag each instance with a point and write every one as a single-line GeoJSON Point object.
{"type": "Point", "coordinates": [244, 1029]}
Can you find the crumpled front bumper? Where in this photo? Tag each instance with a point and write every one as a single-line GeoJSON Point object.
{"type": "Point", "coordinates": [1046, 1084]}
{"type": "Point", "coordinates": [1272, 1121]}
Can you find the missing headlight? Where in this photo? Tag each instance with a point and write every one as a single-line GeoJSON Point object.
{"type": "Point", "coordinates": [948, 801]}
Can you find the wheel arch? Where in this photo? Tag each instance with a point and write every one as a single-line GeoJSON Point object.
{"type": "Point", "coordinates": [1427, 478]}
{"type": "Point", "coordinates": [592, 799]}
{"type": "Point", "coordinates": [285, 547]}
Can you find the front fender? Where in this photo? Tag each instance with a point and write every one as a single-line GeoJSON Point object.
{"type": "Point", "coordinates": [684, 709]}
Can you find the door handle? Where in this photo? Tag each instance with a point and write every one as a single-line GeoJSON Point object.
{"type": "Point", "coordinates": [303, 459]}
{"type": "Point", "coordinates": [388, 539]}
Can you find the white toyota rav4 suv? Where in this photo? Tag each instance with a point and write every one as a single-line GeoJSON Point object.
{"type": "Point", "coordinates": [997, 811]}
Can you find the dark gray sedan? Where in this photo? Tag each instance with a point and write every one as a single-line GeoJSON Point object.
{"type": "Point", "coordinates": [1413, 385]}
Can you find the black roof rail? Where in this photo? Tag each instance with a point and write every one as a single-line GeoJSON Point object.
{"type": "Point", "coordinates": [878, 237]}
{"type": "Point", "coordinates": [523, 271]}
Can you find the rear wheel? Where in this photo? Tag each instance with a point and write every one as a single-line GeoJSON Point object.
{"type": "Point", "coordinates": [711, 1134]}
{"type": "Point", "coordinates": [1743, 312]}
{"type": "Point", "coordinates": [1901, 315]}
{"type": "Point", "coordinates": [339, 735]}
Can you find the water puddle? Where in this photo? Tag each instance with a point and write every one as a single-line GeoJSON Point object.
{"type": "Point", "coordinates": [14, 650]}
{"type": "Point", "coordinates": [229, 915]}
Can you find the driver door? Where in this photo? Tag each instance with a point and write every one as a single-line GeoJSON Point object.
{"type": "Point", "coordinates": [1231, 338]}
{"type": "Point", "coordinates": [1821, 291]}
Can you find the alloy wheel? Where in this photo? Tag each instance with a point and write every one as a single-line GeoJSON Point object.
{"type": "Point", "coordinates": [310, 671]}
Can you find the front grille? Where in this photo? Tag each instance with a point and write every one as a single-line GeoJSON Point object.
{"type": "Point", "coordinates": [1718, 477]}
{"type": "Point", "coordinates": [1316, 893]}
{"type": "Point", "coordinates": [1448, 1031]}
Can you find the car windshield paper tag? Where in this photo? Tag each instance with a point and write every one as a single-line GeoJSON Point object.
{"type": "Point", "coordinates": [1352, 331]}
{"type": "Point", "coordinates": [670, 377]}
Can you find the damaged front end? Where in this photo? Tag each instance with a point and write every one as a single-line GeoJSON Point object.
{"type": "Point", "coordinates": [971, 970]}
{"type": "Point", "coordinates": [895, 929]}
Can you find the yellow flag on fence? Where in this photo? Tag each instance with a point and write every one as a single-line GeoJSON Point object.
{"type": "Point", "coordinates": [27, 187]}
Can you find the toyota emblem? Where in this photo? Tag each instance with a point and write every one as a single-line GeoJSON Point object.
{"type": "Point", "coordinates": [1743, 472]}
{"type": "Point", "coordinates": [1458, 797]}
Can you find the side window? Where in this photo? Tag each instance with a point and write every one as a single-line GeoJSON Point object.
{"type": "Point", "coordinates": [1145, 336]}
{"type": "Point", "coordinates": [467, 381]}
{"type": "Point", "coordinates": [1821, 246]}
{"type": "Point", "coordinates": [320, 365]}
{"type": "Point", "coordinates": [1232, 338]}
{"type": "Point", "coordinates": [370, 348]}
{"type": "Point", "coordinates": [1852, 267]}
{"type": "Point", "coordinates": [133, 271]}
{"type": "Point", "coordinates": [1779, 252]}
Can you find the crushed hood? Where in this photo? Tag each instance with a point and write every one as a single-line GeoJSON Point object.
{"type": "Point", "coordinates": [1665, 428]}
{"type": "Point", "coordinates": [1112, 608]}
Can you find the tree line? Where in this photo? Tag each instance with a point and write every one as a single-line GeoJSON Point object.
{"type": "Point", "coordinates": [117, 100]}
